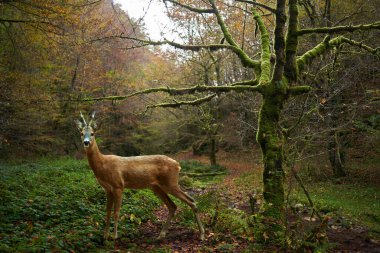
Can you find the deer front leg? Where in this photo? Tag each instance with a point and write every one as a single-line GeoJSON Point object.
{"type": "Point", "coordinates": [110, 201]}
{"type": "Point", "coordinates": [118, 195]}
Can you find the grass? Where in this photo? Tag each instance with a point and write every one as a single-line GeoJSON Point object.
{"type": "Point", "coordinates": [356, 198]}
{"type": "Point", "coordinates": [357, 203]}
{"type": "Point", "coordinates": [196, 167]}
{"type": "Point", "coordinates": [57, 205]}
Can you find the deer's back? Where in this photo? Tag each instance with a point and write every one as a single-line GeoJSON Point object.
{"type": "Point", "coordinates": [146, 171]}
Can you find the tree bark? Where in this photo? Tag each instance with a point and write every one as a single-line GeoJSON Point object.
{"type": "Point", "coordinates": [212, 154]}
{"type": "Point", "coordinates": [271, 141]}
{"type": "Point", "coordinates": [337, 155]}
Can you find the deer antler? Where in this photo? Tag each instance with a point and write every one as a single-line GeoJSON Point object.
{"type": "Point", "coordinates": [92, 118]}
{"type": "Point", "coordinates": [84, 121]}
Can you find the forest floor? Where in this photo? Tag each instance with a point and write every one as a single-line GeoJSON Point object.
{"type": "Point", "coordinates": [56, 205]}
{"type": "Point", "coordinates": [339, 235]}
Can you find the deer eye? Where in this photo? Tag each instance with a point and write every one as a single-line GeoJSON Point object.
{"type": "Point", "coordinates": [81, 134]}
{"type": "Point", "coordinates": [92, 134]}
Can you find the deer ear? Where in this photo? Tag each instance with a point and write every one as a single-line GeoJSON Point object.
{"type": "Point", "coordinates": [79, 124]}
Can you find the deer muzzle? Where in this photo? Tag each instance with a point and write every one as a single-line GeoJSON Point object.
{"type": "Point", "coordinates": [87, 139]}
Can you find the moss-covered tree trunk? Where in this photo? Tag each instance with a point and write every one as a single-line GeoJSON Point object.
{"type": "Point", "coordinates": [271, 141]}
{"type": "Point", "coordinates": [335, 145]}
{"type": "Point", "coordinates": [337, 155]}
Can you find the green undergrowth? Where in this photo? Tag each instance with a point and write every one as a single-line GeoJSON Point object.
{"type": "Point", "coordinates": [351, 204]}
{"type": "Point", "coordinates": [225, 224]}
{"type": "Point", "coordinates": [195, 174]}
{"type": "Point", "coordinates": [250, 182]}
{"type": "Point", "coordinates": [57, 205]}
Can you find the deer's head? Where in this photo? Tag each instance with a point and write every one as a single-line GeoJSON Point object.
{"type": "Point", "coordinates": [87, 131]}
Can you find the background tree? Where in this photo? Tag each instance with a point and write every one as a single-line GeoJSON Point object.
{"type": "Point", "coordinates": [339, 94]}
{"type": "Point", "coordinates": [56, 53]}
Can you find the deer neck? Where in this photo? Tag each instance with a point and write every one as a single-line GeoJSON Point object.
{"type": "Point", "coordinates": [94, 157]}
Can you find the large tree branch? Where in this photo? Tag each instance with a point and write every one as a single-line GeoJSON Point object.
{"type": "Point", "coordinates": [338, 29]}
{"type": "Point", "coordinates": [326, 45]}
{"type": "Point", "coordinates": [181, 103]}
{"type": "Point", "coordinates": [237, 87]}
{"type": "Point", "coordinates": [244, 58]}
{"type": "Point", "coordinates": [265, 49]}
{"type": "Point", "coordinates": [291, 71]}
{"type": "Point", "coordinates": [195, 48]}
{"type": "Point", "coordinates": [279, 41]}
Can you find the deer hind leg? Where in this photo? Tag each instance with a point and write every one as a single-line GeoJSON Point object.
{"type": "Point", "coordinates": [110, 201]}
{"type": "Point", "coordinates": [118, 195]}
{"type": "Point", "coordinates": [178, 193]}
{"type": "Point", "coordinates": [171, 206]}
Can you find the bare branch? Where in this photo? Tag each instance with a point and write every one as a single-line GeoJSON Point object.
{"type": "Point", "coordinates": [83, 5]}
{"type": "Point", "coordinates": [246, 61]}
{"type": "Point", "coordinates": [359, 11]}
{"type": "Point", "coordinates": [2, 20]}
{"type": "Point", "coordinates": [180, 46]}
{"type": "Point", "coordinates": [258, 4]}
{"type": "Point", "coordinates": [197, 10]}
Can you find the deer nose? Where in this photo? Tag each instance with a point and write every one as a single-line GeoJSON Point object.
{"type": "Point", "coordinates": [86, 143]}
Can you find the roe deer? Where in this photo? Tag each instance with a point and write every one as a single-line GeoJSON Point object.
{"type": "Point", "coordinates": [114, 173]}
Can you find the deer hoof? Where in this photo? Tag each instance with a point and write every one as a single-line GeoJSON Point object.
{"type": "Point", "coordinates": [202, 237]}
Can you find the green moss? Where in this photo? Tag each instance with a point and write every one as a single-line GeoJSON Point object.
{"type": "Point", "coordinates": [271, 142]}
{"type": "Point", "coordinates": [299, 90]}
{"type": "Point", "coordinates": [265, 49]}
{"type": "Point", "coordinates": [357, 202]}
{"type": "Point", "coordinates": [245, 59]}
{"type": "Point", "coordinates": [57, 205]}
{"type": "Point", "coordinates": [310, 55]}
{"type": "Point", "coordinates": [327, 44]}
{"type": "Point", "coordinates": [291, 69]}
{"type": "Point", "coordinates": [337, 29]}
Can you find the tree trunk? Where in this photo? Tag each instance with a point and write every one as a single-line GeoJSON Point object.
{"type": "Point", "coordinates": [212, 153]}
{"type": "Point", "coordinates": [271, 142]}
{"type": "Point", "coordinates": [336, 139]}
{"type": "Point", "coordinates": [337, 155]}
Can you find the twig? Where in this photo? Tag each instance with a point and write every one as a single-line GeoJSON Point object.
{"type": "Point", "coordinates": [299, 180]}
